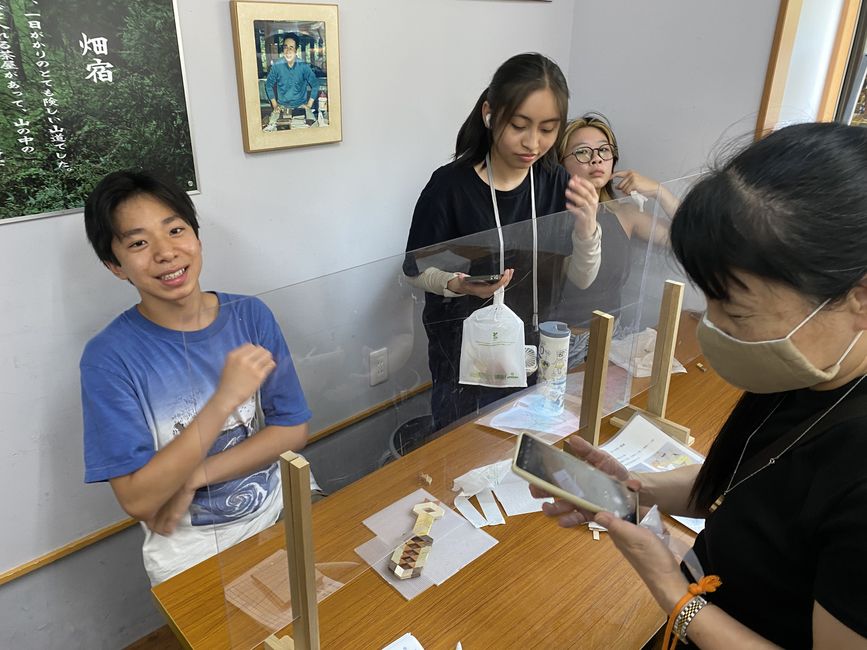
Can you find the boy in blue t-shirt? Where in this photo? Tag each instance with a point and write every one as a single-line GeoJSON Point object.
{"type": "Point", "coordinates": [189, 396]}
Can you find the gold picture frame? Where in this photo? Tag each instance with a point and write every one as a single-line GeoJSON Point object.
{"type": "Point", "coordinates": [287, 63]}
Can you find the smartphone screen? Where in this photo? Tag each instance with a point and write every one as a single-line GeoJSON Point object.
{"type": "Point", "coordinates": [483, 279]}
{"type": "Point", "coordinates": [574, 476]}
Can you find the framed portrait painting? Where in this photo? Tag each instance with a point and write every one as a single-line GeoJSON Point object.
{"type": "Point", "coordinates": [287, 59]}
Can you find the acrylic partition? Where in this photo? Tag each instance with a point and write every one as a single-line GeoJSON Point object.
{"type": "Point", "coordinates": [661, 265]}
{"type": "Point", "coordinates": [363, 342]}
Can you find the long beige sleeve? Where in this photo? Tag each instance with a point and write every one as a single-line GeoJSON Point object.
{"type": "Point", "coordinates": [582, 265]}
{"type": "Point", "coordinates": [434, 280]}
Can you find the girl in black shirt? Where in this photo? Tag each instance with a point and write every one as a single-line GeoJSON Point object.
{"type": "Point", "coordinates": [509, 137]}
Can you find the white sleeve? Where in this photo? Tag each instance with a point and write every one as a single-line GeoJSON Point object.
{"type": "Point", "coordinates": [434, 280]}
{"type": "Point", "coordinates": [582, 265]}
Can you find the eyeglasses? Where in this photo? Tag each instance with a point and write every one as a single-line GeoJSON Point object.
{"type": "Point", "coordinates": [585, 154]}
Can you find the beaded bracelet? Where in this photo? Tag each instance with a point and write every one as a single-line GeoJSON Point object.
{"type": "Point", "coordinates": [686, 615]}
{"type": "Point", "coordinates": [706, 585]}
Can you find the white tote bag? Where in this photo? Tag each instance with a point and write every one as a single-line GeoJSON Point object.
{"type": "Point", "coordinates": [492, 348]}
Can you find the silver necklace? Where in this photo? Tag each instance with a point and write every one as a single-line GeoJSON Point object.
{"type": "Point", "coordinates": [716, 504]}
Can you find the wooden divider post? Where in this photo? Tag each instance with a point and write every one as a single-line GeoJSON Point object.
{"type": "Point", "coordinates": [595, 374]}
{"type": "Point", "coordinates": [660, 374]}
{"type": "Point", "coordinates": [298, 522]}
{"type": "Point", "coordinates": [663, 353]}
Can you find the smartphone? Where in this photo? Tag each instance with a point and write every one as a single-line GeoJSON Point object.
{"type": "Point", "coordinates": [567, 477]}
{"type": "Point", "coordinates": [483, 279]}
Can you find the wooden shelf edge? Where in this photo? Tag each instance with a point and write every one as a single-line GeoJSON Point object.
{"type": "Point", "coordinates": [65, 550]}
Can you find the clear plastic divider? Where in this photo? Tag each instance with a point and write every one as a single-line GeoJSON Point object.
{"type": "Point", "coordinates": [378, 360]}
{"type": "Point", "coordinates": [662, 266]}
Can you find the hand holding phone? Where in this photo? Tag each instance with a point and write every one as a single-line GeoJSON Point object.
{"type": "Point", "coordinates": [572, 479]}
{"type": "Point", "coordinates": [483, 287]}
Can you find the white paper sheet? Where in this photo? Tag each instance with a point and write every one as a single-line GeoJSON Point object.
{"type": "Point", "coordinates": [486, 477]}
{"type": "Point", "coordinates": [468, 510]}
{"type": "Point", "coordinates": [694, 524]}
{"type": "Point", "coordinates": [376, 553]}
{"type": "Point", "coordinates": [489, 508]}
{"type": "Point", "coordinates": [638, 199]}
{"type": "Point", "coordinates": [634, 353]}
{"type": "Point", "coordinates": [398, 519]}
{"type": "Point", "coordinates": [514, 495]}
{"type": "Point", "coordinates": [456, 543]}
{"type": "Point", "coordinates": [511, 490]}
{"type": "Point", "coordinates": [642, 447]}
{"type": "Point", "coordinates": [406, 642]}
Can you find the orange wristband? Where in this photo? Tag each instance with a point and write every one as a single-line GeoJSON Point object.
{"type": "Point", "coordinates": [706, 585]}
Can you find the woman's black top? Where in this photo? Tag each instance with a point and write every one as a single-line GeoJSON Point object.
{"type": "Point", "coordinates": [575, 306]}
{"type": "Point", "coordinates": [796, 532]}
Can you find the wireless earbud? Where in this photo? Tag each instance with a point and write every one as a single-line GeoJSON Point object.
{"type": "Point", "coordinates": [488, 120]}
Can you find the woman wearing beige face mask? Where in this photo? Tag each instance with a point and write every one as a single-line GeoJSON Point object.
{"type": "Point", "coordinates": [777, 241]}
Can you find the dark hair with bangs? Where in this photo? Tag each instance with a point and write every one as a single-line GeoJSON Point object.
{"type": "Point", "coordinates": [513, 82]}
{"type": "Point", "coordinates": [119, 186]}
{"type": "Point", "coordinates": [790, 208]}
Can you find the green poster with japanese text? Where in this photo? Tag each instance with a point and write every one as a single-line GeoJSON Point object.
{"type": "Point", "coordinates": [87, 87]}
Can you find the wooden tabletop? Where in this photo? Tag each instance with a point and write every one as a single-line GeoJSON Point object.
{"type": "Point", "coordinates": [541, 586]}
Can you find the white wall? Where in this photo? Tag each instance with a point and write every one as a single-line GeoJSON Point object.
{"type": "Point", "coordinates": [411, 70]}
{"type": "Point", "coordinates": [811, 55]}
{"type": "Point", "coordinates": [679, 81]}
{"type": "Point", "coordinates": [675, 78]}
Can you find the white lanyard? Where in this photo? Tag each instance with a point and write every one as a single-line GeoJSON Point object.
{"type": "Point", "coordinates": [535, 235]}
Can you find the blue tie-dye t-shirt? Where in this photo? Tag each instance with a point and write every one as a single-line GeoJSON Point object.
{"type": "Point", "coordinates": [141, 384]}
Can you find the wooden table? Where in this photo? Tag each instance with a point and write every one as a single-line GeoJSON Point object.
{"type": "Point", "coordinates": [541, 586]}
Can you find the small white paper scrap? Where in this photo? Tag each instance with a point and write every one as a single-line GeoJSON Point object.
{"type": "Point", "coordinates": [406, 642]}
{"type": "Point", "coordinates": [489, 508]}
{"type": "Point", "coordinates": [462, 503]}
{"type": "Point", "coordinates": [596, 529]}
{"type": "Point", "coordinates": [634, 353]}
{"type": "Point", "coordinates": [638, 199]}
{"type": "Point", "coordinates": [694, 524]}
{"type": "Point", "coordinates": [482, 478]}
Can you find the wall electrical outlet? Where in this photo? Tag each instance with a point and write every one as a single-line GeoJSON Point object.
{"type": "Point", "coordinates": [378, 366]}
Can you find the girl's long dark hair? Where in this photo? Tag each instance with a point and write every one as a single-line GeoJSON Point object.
{"type": "Point", "coordinates": [512, 83]}
{"type": "Point", "coordinates": [790, 208]}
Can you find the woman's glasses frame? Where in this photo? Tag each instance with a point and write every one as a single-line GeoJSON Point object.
{"type": "Point", "coordinates": [585, 154]}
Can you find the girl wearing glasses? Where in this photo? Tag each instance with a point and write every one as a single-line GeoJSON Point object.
{"type": "Point", "coordinates": [505, 173]}
{"type": "Point", "coordinates": [588, 150]}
